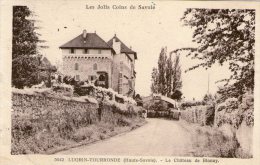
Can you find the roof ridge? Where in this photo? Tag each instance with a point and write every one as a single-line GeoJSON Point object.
{"type": "Point", "coordinates": [92, 40]}
{"type": "Point", "coordinates": [70, 40]}
{"type": "Point", "coordinates": [103, 40]}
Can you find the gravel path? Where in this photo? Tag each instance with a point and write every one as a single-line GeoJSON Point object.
{"type": "Point", "coordinates": [158, 137]}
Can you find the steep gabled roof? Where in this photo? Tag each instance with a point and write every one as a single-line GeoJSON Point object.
{"type": "Point", "coordinates": [92, 40]}
{"type": "Point", "coordinates": [124, 48]}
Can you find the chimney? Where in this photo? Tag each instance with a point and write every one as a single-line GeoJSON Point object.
{"type": "Point", "coordinates": [84, 33]}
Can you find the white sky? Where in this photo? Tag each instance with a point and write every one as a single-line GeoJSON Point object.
{"type": "Point", "coordinates": [146, 31]}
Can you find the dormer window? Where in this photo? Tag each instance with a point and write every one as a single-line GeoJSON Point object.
{"type": "Point", "coordinates": [72, 51]}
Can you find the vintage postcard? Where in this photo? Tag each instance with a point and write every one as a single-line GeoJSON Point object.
{"type": "Point", "coordinates": [129, 82]}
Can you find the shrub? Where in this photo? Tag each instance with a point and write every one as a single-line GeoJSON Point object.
{"type": "Point", "coordinates": [210, 142]}
{"type": "Point", "coordinates": [83, 134]}
{"type": "Point", "coordinates": [210, 114]}
{"type": "Point", "coordinates": [195, 114]}
{"type": "Point", "coordinates": [159, 106]}
{"type": "Point", "coordinates": [175, 114]}
{"type": "Point", "coordinates": [247, 108]}
{"type": "Point", "coordinates": [123, 121]}
{"type": "Point", "coordinates": [189, 104]}
{"type": "Point", "coordinates": [234, 112]}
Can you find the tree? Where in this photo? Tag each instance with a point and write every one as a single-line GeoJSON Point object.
{"type": "Point", "coordinates": [155, 82]}
{"type": "Point", "coordinates": [25, 54]}
{"type": "Point", "coordinates": [225, 36]}
{"type": "Point", "coordinates": [169, 72]}
{"type": "Point", "coordinates": [138, 100]}
{"type": "Point", "coordinates": [176, 95]}
{"type": "Point", "coordinates": [162, 71]}
{"type": "Point", "coordinates": [176, 75]}
{"type": "Point", "coordinates": [167, 78]}
{"type": "Point", "coordinates": [208, 97]}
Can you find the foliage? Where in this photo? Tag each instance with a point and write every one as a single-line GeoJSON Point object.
{"type": "Point", "coordinates": [210, 114]}
{"type": "Point", "coordinates": [138, 100]}
{"type": "Point", "coordinates": [25, 71]}
{"type": "Point", "coordinates": [210, 142]}
{"type": "Point", "coordinates": [195, 114]}
{"type": "Point", "coordinates": [208, 97]}
{"type": "Point", "coordinates": [191, 103]}
{"type": "Point", "coordinates": [25, 54]}
{"type": "Point", "coordinates": [25, 38]}
{"type": "Point", "coordinates": [159, 106]}
{"type": "Point", "coordinates": [224, 36]}
{"type": "Point", "coordinates": [168, 75]}
{"type": "Point", "coordinates": [166, 79]}
{"type": "Point", "coordinates": [176, 95]}
{"type": "Point", "coordinates": [234, 112]}
{"type": "Point", "coordinates": [155, 81]}
{"type": "Point", "coordinates": [162, 71]}
{"type": "Point", "coordinates": [176, 76]}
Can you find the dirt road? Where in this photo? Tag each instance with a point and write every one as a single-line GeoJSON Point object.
{"type": "Point", "coordinates": [158, 137]}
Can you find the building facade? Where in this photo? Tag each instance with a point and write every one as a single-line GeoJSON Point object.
{"type": "Point", "coordinates": [110, 64]}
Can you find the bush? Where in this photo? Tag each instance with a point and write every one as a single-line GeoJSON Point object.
{"type": "Point", "coordinates": [159, 106]}
{"type": "Point", "coordinates": [175, 114]}
{"type": "Point", "coordinates": [210, 114]}
{"type": "Point", "coordinates": [83, 134]}
{"type": "Point", "coordinates": [234, 112]}
{"type": "Point", "coordinates": [83, 91]}
{"type": "Point", "coordinates": [64, 89]}
{"type": "Point", "coordinates": [246, 108]}
{"type": "Point", "coordinates": [210, 142]}
{"type": "Point", "coordinates": [189, 104]}
{"type": "Point", "coordinates": [195, 114]}
{"type": "Point", "coordinates": [123, 121]}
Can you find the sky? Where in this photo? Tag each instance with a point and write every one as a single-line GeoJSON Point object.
{"type": "Point", "coordinates": [146, 31]}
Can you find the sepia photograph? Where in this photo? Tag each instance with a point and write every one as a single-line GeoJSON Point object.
{"type": "Point", "coordinates": [137, 80]}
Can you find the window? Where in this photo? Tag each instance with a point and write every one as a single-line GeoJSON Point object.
{"type": "Point", "coordinates": [72, 51]}
{"type": "Point", "coordinates": [92, 77]}
{"type": "Point", "coordinates": [95, 66]}
{"type": "Point", "coordinates": [120, 75]}
{"type": "Point", "coordinates": [102, 78]}
{"type": "Point", "coordinates": [77, 77]}
{"type": "Point", "coordinates": [86, 51]}
{"type": "Point", "coordinates": [76, 66]}
{"type": "Point", "coordinates": [120, 90]}
{"type": "Point", "coordinates": [99, 51]}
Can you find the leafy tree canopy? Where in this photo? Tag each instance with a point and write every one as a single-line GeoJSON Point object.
{"type": "Point", "coordinates": [25, 54]}
{"type": "Point", "coordinates": [224, 36]}
{"type": "Point", "coordinates": [176, 95]}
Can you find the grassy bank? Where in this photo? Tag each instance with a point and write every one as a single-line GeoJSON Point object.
{"type": "Point", "coordinates": [214, 142]}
